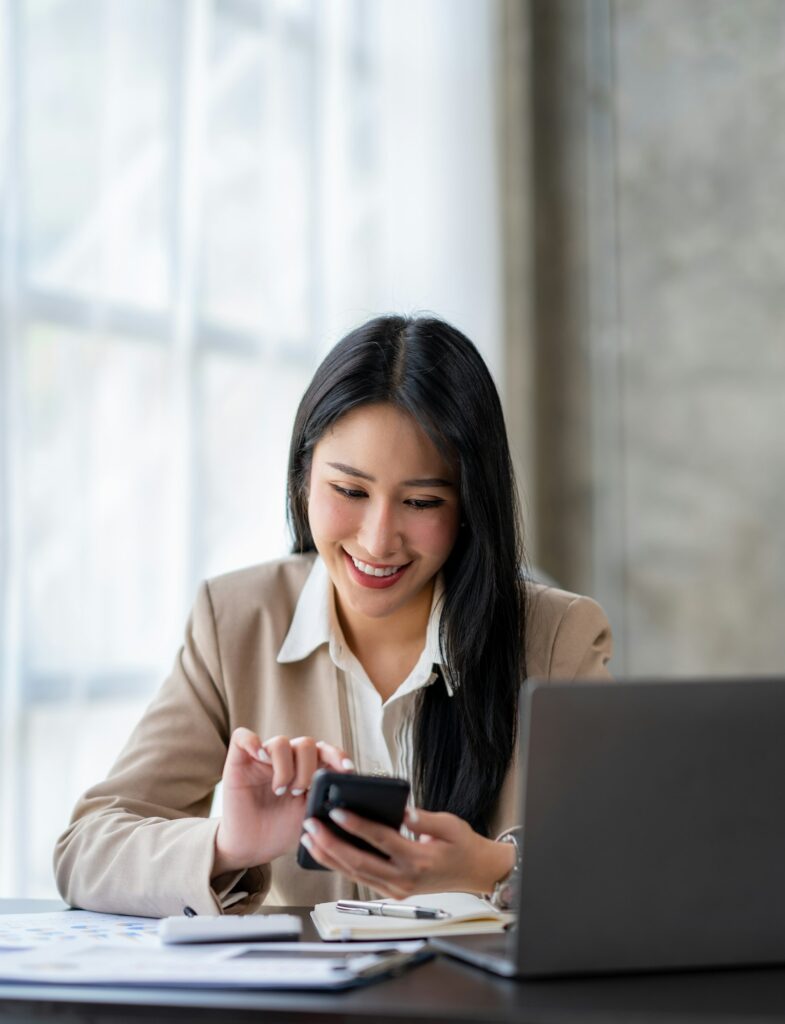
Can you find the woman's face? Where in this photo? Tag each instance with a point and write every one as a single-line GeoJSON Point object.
{"type": "Point", "coordinates": [384, 511]}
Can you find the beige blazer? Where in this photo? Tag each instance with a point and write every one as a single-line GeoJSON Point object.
{"type": "Point", "coordinates": [141, 842]}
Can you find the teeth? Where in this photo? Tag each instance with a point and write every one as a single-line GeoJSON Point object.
{"type": "Point", "coordinates": [369, 570]}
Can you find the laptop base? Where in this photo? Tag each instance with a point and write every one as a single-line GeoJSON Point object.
{"type": "Point", "coordinates": [490, 952]}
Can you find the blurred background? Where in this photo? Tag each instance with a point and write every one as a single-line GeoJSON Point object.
{"type": "Point", "coordinates": [199, 197]}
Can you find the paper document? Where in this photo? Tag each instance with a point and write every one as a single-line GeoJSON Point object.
{"type": "Point", "coordinates": [29, 931]}
{"type": "Point", "coordinates": [253, 965]}
{"type": "Point", "coordinates": [469, 915]}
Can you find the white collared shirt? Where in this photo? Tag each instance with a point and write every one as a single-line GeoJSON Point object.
{"type": "Point", "coordinates": [381, 730]}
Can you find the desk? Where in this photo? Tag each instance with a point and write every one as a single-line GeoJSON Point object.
{"type": "Point", "coordinates": [438, 991]}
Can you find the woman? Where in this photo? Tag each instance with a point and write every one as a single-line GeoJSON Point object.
{"type": "Point", "coordinates": [393, 640]}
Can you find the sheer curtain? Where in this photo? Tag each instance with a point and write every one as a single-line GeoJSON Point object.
{"type": "Point", "coordinates": [197, 197]}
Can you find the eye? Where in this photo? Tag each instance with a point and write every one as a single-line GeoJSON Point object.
{"type": "Point", "coordinates": [422, 503]}
{"type": "Point", "coordinates": [348, 492]}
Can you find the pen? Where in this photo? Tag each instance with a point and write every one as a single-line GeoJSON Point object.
{"type": "Point", "coordinates": [391, 910]}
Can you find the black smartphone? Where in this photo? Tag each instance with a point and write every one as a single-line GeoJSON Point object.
{"type": "Point", "coordinates": [377, 797]}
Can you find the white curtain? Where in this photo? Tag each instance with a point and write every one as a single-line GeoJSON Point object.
{"type": "Point", "coordinates": [197, 197]}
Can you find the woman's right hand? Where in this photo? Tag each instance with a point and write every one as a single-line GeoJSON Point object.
{"type": "Point", "coordinates": [264, 792]}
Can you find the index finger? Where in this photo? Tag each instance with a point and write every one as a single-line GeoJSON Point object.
{"type": "Point", "coordinates": [244, 742]}
{"type": "Point", "coordinates": [334, 757]}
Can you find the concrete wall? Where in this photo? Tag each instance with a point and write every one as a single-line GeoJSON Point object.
{"type": "Point", "coordinates": [657, 134]}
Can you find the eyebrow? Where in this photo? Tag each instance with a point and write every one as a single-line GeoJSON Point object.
{"type": "Point", "coordinates": [428, 481]}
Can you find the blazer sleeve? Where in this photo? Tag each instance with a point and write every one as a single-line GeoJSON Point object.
{"type": "Point", "coordinates": [582, 644]}
{"type": "Point", "coordinates": [141, 841]}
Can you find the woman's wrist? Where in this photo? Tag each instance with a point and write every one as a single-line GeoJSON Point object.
{"type": "Point", "coordinates": [505, 892]}
{"type": "Point", "coordinates": [223, 861]}
{"type": "Point", "coordinates": [497, 862]}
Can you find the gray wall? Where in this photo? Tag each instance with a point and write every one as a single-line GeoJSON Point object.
{"type": "Point", "coordinates": [653, 259]}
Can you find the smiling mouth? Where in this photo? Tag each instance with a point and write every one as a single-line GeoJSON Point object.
{"type": "Point", "coordinates": [374, 576]}
{"type": "Point", "coordinates": [375, 570]}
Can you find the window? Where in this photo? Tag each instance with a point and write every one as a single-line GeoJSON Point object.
{"type": "Point", "coordinates": [195, 201]}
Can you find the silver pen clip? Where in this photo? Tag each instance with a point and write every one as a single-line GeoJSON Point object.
{"type": "Point", "coordinates": [350, 908]}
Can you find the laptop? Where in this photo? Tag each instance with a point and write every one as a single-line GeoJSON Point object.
{"type": "Point", "coordinates": [653, 836]}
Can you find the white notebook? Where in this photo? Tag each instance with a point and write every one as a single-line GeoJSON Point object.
{"type": "Point", "coordinates": [469, 915]}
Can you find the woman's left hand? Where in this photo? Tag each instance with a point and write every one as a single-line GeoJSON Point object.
{"type": "Point", "coordinates": [449, 857]}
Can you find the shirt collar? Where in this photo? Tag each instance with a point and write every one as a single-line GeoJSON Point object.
{"type": "Point", "coordinates": [312, 623]}
{"type": "Point", "coordinates": [310, 626]}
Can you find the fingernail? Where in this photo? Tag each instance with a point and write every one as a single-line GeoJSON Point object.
{"type": "Point", "coordinates": [280, 791]}
{"type": "Point", "coordinates": [297, 792]}
{"type": "Point", "coordinates": [263, 756]}
{"type": "Point", "coordinates": [310, 826]}
{"type": "Point", "coordinates": [306, 841]}
{"type": "Point", "coordinates": [413, 815]}
{"type": "Point", "coordinates": [347, 764]}
{"type": "Point", "coordinates": [339, 816]}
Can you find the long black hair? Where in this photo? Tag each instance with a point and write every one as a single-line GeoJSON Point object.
{"type": "Point", "coordinates": [463, 744]}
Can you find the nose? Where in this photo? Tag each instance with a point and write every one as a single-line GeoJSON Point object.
{"type": "Point", "coordinates": [380, 532]}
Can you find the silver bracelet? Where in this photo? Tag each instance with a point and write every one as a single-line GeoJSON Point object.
{"type": "Point", "coordinates": [505, 892]}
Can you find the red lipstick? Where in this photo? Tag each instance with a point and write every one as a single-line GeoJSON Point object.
{"type": "Point", "coordinates": [373, 582]}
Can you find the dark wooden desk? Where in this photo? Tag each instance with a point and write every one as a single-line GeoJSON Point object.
{"type": "Point", "coordinates": [437, 991]}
